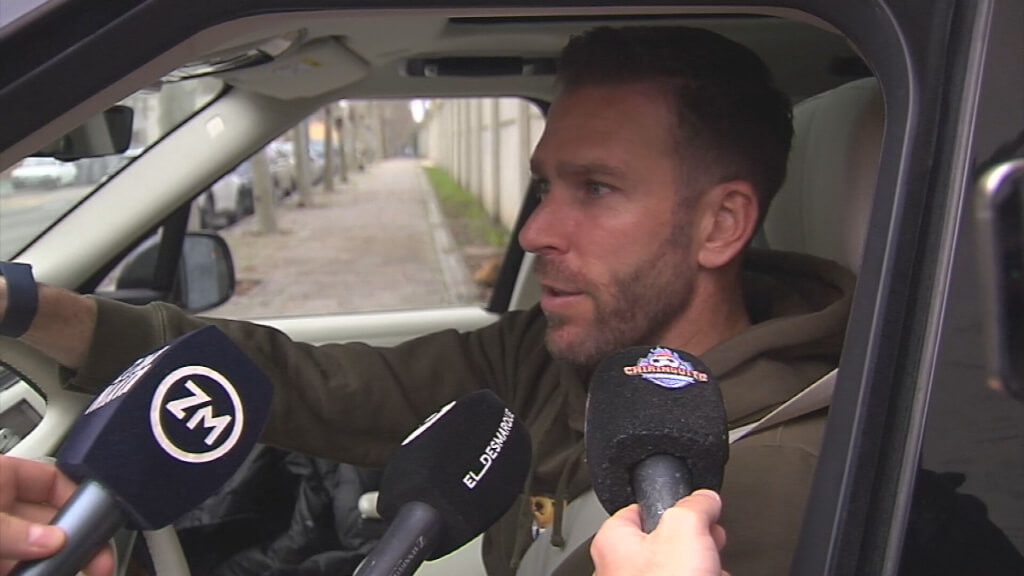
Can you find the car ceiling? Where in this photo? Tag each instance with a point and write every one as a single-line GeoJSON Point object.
{"type": "Point", "coordinates": [367, 53]}
{"type": "Point", "coordinates": [356, 53]}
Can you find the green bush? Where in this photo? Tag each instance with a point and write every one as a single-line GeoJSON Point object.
{"type": "Point", "coordinates": [464, 211]}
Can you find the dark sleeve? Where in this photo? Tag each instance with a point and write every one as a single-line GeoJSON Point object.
{"type": "Point", "coordinates": [348, 402]}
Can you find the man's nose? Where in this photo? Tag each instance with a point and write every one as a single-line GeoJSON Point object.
{"type": "Point", "coordinates": [547, 229]}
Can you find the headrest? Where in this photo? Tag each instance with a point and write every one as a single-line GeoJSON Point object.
{"type": "Point", "coordinates": [822, 209]}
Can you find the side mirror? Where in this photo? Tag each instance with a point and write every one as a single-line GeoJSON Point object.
{"type": "Point", "coordinates": [205, 277]}
{"type": "Point", "coordinates": [105, 134]}
{"type": "Point", "coordinates": [999, 209]}
{"type": "Point", "coordinates": [206, 274]}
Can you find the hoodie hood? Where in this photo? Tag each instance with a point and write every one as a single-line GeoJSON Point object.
{"type": "Point", "coordinates": [798, 307]}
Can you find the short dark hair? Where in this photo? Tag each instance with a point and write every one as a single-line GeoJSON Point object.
{"type": "Point", "coordinates": [734, 124]}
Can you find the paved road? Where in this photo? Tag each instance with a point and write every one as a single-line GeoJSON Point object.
{"type": "Point", "coordinates": [377, 243]}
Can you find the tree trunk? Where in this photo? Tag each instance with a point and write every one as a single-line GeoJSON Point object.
{"type": "Point", "coordinates": [302, 178]}
{"type": "Point", "coordinates": [328, 148]}
{"type": "Point", "coordinates": [263, 192]}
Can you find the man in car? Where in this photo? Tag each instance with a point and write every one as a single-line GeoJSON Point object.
{"type": "Point", "coordinates": [659, 159]}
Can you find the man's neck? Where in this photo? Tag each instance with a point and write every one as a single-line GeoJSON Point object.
{"type": "Point", "coordinates": [716, 313]}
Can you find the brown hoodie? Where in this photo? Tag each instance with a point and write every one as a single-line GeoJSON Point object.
{"type": "Point", "coordinates": [355, 403]}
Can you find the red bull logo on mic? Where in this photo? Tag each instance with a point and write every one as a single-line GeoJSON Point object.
{"type": "Point", "coordinates": [665, 368]}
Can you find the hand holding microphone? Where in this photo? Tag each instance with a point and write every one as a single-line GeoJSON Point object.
{"type": "Point", "coordinates": [162, 438]}
{"type": "Point", "coordinates": [450, 480]}
{"type": "Point", "coordinates": [685, 543]}
{"type": "Point", "coordinates": [656, 430]}
{"type": "Point", "coordinates": [31, 492]}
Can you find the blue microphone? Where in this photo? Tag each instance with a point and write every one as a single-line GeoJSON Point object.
{"type": "Point", "coordinates": [157, 442]}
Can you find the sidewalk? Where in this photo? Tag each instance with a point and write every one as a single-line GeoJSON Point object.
{"type": "Point", "coordinates": [378, 242]}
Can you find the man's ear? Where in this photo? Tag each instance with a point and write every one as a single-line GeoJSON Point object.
{"type": "Point", "coordinates": [728, 216]}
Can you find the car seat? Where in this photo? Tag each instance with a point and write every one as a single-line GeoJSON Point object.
{"type": "Point", "coordinates": [822, 208]}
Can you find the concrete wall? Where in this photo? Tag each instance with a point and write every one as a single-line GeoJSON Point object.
{"type": "Point", "coordinates": [485, 143]}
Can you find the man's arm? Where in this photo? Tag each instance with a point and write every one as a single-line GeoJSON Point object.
{"type": "Point", "coordinates": [349, 402]}
{"type": "Point", "coordinates": [63, 326]}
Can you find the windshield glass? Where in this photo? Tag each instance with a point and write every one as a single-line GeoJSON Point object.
{"type": "Point", "coordinates": [36, 192]}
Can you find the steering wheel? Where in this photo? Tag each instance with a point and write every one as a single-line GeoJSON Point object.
{"type": "Point", "coordinates": [63, 407]}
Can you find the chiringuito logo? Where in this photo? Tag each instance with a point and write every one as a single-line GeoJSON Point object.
{"type": "Point", "coordinates": [196, 414]}
{"type": "Point", "coordinates": [666, 369]}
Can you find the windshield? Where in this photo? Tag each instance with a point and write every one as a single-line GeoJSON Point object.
{"type": "Point", "coordinates": [36, 192]}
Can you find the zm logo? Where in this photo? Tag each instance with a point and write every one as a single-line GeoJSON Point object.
{"type": "Point", "coordinates": [188, 426]}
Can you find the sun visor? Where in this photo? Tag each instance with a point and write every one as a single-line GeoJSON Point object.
{"type": "Point", "coordinates": [315, 68]}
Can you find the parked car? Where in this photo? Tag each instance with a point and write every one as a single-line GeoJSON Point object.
{"type": "Point", "coordinates": [281, 156]}
{"type": "Point", "coordinates": [43, 173]}
{"type": "Point", "coordinates": [317, 161]}
{"type": "Point", "coordinates": [905, 107]}
{"type": "Point", "coordinates": [229, 199]}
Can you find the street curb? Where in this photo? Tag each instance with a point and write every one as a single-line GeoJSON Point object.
{"type": "Point", "coordinates": [459, 287]}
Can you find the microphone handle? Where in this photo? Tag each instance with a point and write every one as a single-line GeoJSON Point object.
{"type": "Point", "coordinates": [659, 481]}
{"type": "Point", "coordinates": [89, 518]}
{"type": "Point", "coordinates": [412, 536]}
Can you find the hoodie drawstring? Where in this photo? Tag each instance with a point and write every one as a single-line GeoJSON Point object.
{"type": "Point", "coordinates": [562, 495]}
{"type": "Point", "coordinates": [523, 523]}
{"type": "Point", "coordinates": [523, 537]}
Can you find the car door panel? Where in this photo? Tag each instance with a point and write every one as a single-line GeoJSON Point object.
{"type": "Point", "coordinates": [380, 328]}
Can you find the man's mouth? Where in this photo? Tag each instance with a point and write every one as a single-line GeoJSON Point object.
{"type": "Point", "coordinates": [558, 299]}
{"type": "Point", "coordinates": [558, 292]}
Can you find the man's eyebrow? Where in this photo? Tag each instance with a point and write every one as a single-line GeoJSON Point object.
{"type": "Point", "coordinates": [589, 169]}
{"type": "Point", "coordinates": [579, 169]}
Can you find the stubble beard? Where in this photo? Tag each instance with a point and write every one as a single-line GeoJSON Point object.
{"type": "Point", "coordinates": [634, 308]}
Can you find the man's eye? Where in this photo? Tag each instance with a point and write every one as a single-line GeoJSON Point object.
{"type": "Point", "coordinates": [597, 188]}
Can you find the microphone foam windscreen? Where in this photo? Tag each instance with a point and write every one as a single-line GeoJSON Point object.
{"type": "Point", "coordinates": [468, 461]}
{"type": "Point", "coordinates": [172, 429]}
{"type": "Point", "coordinates": [645, 401]}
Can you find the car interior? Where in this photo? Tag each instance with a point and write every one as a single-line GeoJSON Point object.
{"type": "Point", "coordinates": [276, 69]}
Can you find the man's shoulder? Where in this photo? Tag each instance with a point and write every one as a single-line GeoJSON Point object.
{"type": "Point", "coordinates": [802, 434]}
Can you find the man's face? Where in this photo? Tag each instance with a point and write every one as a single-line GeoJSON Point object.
{"type": "Point", "coordinates": [611, 234]}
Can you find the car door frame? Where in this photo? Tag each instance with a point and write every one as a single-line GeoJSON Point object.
{"type": "Point", "coordinates": [860, 503]}
{"type": "Point", "coordinates": [908, 44]}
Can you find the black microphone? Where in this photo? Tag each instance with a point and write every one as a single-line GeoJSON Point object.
{"type": "Point", "coordinates": [655, 430]}
{"type": "Point", "coordinates": [157, 442]}
{"type": "Point", "coordinates": [450, 480]}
